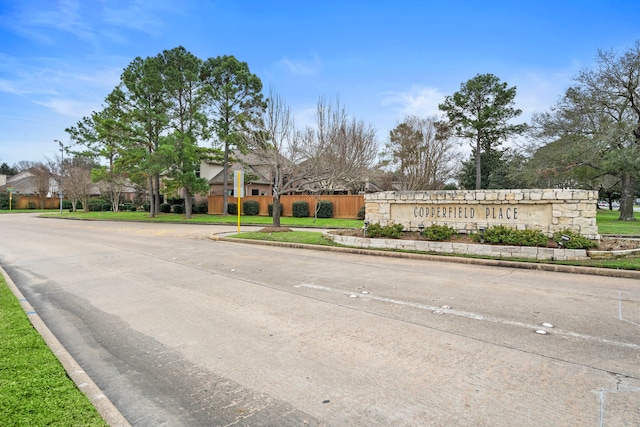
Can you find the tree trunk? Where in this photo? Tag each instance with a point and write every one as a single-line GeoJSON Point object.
{"type": "Point", "coordinates": [152, 195]}
{"type": "Point", "coordinates": [626, 197]}
{"type": "Point", "coordinates": [276, 209]}
{"type": "Point", "coordinates": [157, 191]}
{"type": "Point", "coordinates": [478, 164]}
{"type": "Point", "coordinates": [188, 206]}
{"type": "Point", "coordinates": [225, 180]}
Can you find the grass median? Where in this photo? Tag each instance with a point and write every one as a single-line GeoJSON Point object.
{"type": "Point", "coordinates": [35, 390]}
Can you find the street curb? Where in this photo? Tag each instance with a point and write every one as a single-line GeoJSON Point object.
{"type": "Point", "coordinates": [594, 271]}
{"type": "Point", "coordinates": [107, 410]}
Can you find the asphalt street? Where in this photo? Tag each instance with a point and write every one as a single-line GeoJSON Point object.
{"type": "Point", "coordinates": [178, 329]}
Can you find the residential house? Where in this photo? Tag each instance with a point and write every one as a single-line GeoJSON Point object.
{"type": "Point", "coordinates": [257, 175]}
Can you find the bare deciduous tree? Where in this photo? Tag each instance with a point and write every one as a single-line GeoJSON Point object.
{"type": "Point", "coordinates": [42, 175]}
{"type": "Point", "coordinates": [343, 149]}
{"type": "Point", "coordinates": [77, 183]}
{"type": "Point", "coordinates": [422, 152]}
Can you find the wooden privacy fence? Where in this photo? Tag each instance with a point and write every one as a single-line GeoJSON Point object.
{"type": "Point", "coordinates": [343, 206]}
{"type": "Point", "coordinates": [33, 202]}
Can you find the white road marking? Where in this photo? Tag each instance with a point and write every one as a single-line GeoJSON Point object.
{"type": "Point", "coordinates": [473, 316]}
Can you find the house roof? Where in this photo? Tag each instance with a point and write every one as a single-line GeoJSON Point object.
{"type": "Point", "coordinates": [245, 162]}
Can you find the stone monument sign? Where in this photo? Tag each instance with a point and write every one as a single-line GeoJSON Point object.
{"type": "Point", "coordinates": [467, 211]}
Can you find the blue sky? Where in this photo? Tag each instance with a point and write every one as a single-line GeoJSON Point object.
{"type": "Point", "coordinates": [384, 59]}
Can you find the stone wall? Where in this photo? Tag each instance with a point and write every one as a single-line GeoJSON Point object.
{"type": "Point", "coordinates": [490, 251]}
{"type": "Point", "coordinates": [467, 211]}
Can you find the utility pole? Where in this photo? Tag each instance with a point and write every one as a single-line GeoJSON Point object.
{"type": "Point", "coordinates": [61, 171]}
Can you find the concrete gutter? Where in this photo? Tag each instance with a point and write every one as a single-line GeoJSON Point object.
{"type": "Point", "coordinates": [626, 274]}
{"type": "Point", "coordinates": [107, 410]}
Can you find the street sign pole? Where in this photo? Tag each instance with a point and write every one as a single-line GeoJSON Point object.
{"type": "Point", "coordinates": [238, 187]}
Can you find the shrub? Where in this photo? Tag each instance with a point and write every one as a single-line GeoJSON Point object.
{"type": "Point", "coordinates": [175, 201]}
{"type": "Point", "coordinates": [438, 232]}
{"type": "Point", "coordinates": [201, 207]}
{"type": "Point", "coordinates": [4, 201]}
{"type": "Point", "coordinates": [270, 209]}
{"type": "Point", "coordinates": [325, 209]}
{"type": "Point", "coordinates": [178, 209]}
{"type": "Point", "coordinates": [360, 214]}
{"type": "Point", "coordinates": [232, 209]}
{"type": "Point", "coordinates": [392, 231]}
{"type": "Point", "coordinates": [576, 241]}
{"type": "Point", "coordinates": [32, 205]}
{"type": "Point", "coordinates": [532, 238]}
{"type": "Point", "coordinates": [509, 236]}
{"type": "Point", "coordinates": [251, 207]}
{"type": "Point", "coordinates": [146, 207]}
{"type": "Point", "coordinates": [300, 209]}
{"type": "Point", "coordinates": [99, 205]}
{"type": "Point", "coordinates": [165, 207]}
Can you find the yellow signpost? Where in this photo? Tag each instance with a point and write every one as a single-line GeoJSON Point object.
{"type": "Point", "coordinates": [238, 188]}
{"type": "Point", "coordinates": [10, 190]}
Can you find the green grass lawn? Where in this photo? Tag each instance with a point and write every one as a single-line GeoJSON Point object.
{"type": "Point", "coordinates": [212, 219]}
{"type": "Point", "coordinates": [34, 387]}
{"type": "Point", "coordinates": [304, 237]}
{"type": "Point", "coordinates": [608, 224]}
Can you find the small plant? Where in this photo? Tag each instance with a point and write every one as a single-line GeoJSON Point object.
{"type": "Point", "coordinates": [251, 207]}
{"type": "Point", "coordinates": [175, 201]}
{"type": "Point", "coordinates": [325, 209]}
{"type": "Point", "coordinates": [201, 207]}
{"type": "Point", "coordinates": [393, 231]}
{"type": "Point", "coordinates": [361, 212]}
{"type": "Point", "coordinates": [178, 209]}
{"type": "Point", "coordinates": [270, 209]}
{"type": "Point", "coordinates": [99, 205]}
{"type": "Point", "coordinates": [300, 209]}
{"type": "Point", "coordinates": [499, 234]}
{"type": "Point", "coordinates": [165, 208]}
{"type": "Point", "coordinates": [576, 241]}
{"type": "Point", "coordinates": [532, 238]}
{"type": "Point", "coordinates": [232, 209]}
{"type": "Point", "coordinates": [438, 232]}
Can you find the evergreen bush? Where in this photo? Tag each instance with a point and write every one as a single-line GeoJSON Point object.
{"type": "Point", "coordinates": [499, 234]}
{"type": "Point", "coordinates": [201, 207]}
{"type": "Point", "coordinates": [325, 209]}
{"type": "Point", "coordinates": [300, 209]}
{"type": "Point", "coordinates": [251, 207]}
{"type": "Point", "coordinates": [165, 207]}
{"type": "Point", "coordinates": [232, 209]}
{"type": "Point", "coordinates": [576, 241]}
{"type": "Point", "coordinates": [178, 209]}
{"type": "Point", "coordinates": [391, 231]}
{"type": "Point", "coordinates": [438, 232]}
{"type": "Point", "coordinates": [361, 212]}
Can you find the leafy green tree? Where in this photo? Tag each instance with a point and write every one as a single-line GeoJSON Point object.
{"type": "Point", "coordinates": [142, 110]}
{"type": "Point", "coordinates": [5, 169]}
{"type": "Point", "coordinates": [186, 97]}
{"type": "Point", "coordinates": [481, 111]}
{"type": "Point", "coordinates": [601, 113]}
{"type": "Point", "coordinates": [101, 135]}
{"type": "Point", "coordinates": [235, 103]}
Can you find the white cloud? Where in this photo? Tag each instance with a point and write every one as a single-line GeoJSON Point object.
{"type": "Point", "coordinates": [301, 67]}
{"type": "Point", "coordinates": [69, 107]}
{"type": "Point", "coordinates": [418, 100]}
